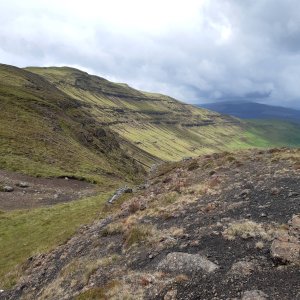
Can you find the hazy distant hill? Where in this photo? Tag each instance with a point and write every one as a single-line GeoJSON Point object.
{"type": "Point", "coordinates": [252, 110]}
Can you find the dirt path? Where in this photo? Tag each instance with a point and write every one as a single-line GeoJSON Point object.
{"type": "Point", "coordinates": [40, 191]}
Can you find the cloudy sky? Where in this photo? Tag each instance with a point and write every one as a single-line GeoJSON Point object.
{"type": "Point", "coordinates": [196, 51]}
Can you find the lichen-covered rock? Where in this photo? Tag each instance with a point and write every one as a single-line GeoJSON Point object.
{"type": "Point", "coordinates": [254, 295]}
{"type": "Point", "coordinates": [243, 268]}
{"type": "Point", "coordinates": [7, 189]}
{"type": "Point", "coordinates": [170, 295]}
{"type": "Point", "coordinates": [285, 252]}
{"type": "Point", "coordinates": [286, 247]}
{"type": "Point", "coordinates": [23, 184]}
{"type": "Point", "coordinates": [179, 262]}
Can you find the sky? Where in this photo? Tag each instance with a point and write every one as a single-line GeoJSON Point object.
{"type": "Point", "coordinates": [196, 51]}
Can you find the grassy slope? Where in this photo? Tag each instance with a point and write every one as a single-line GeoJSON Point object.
{"type": "Point", "coordinates": [157, 124]}
{"type": "Point", "coordinates": [40, 136]}
{"type": "Point", "coordinates": [44, 132]}
{"type": "Point", "coordinates": [279, 133]}
{"type": "Point", "coordinates": [26, 233]}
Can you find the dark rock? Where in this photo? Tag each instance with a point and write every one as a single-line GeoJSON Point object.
{"type": "Point", "coordinates": [243, 268]}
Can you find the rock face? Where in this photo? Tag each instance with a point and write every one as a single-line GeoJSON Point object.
{"type": "Point", "coordinates": [286, 247]}
{"type": "Point", "coordinates": [179, 262]}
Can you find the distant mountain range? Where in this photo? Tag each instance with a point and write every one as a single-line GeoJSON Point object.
{"type": "Point", "coordinates": [252, 110]}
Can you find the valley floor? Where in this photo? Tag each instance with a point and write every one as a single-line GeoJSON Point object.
{"type": "Point", "coordinates": [29, 192]}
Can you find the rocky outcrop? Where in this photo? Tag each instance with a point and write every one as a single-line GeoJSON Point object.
{"type": "Point", "coordinates": [180, 262]}
{"type": "Point", "coordinates": [254, 295]}
{"type": "Point", "coordinates": [286, 247]}
{"type": "Point", "coordinates": [119, 192]}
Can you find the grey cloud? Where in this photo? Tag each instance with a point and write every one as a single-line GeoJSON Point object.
{"type": "Point", "coordinates": [227, 49]}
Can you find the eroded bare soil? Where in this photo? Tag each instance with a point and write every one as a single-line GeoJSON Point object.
{"type": "Point", "coordinates": [40, 191]}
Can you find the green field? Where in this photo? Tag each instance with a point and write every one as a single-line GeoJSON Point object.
{"type": "Point", "coordinates": [26, 233]}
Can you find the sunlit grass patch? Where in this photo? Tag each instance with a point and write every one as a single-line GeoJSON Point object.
{"type": "Point", "coordinates": [29, 232]}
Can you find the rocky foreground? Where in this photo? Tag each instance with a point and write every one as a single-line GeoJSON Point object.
{"type": "Point", "coordinates": [221, 226]}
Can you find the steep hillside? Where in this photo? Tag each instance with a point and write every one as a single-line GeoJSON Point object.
{"type": "Point", "coordinates": [279, 133]}
{"type": "Point", "coordinates": [252, 110]}
{"type": "Point", "coordinates": [220, 226]}
{"type": "Point", "coordinates": [157, 124]}
{"type": "Point", "coordinates": [45, 132]}
{"type": "Point", "coordinates": [65, 122]}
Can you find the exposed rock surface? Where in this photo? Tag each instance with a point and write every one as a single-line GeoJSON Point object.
{"type": "Point", "coordinates": [28, 192]}
{"type": "Point", "coordinates": [179, 262]}
{"type": "Point", "coordinates": [286, 247]}
{"type": "Point", "coordinates": [119, 192]}
{"type": "Point", "coordinates": [243, 268]}
{"type": "Point", "coordinates": [254, 295]}
{"type": "Point", "coordinates": [23, 184]}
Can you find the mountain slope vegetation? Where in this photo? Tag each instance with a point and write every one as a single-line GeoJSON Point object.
{"type": "Point", "coordinates": [45, 132]}
{"type": "Point", "coordinates": [60, 121]}
{"type": "Point", "coordinates": [157, 124]}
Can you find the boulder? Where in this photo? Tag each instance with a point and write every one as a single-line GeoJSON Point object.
{"type": "Point", "coordinates": [286, 247]}
{"type": "Point", "coordinates": [171, 295]}
{"type": "Point", "coordinates": [254, 295]}
{"type": "Point", "coordinates": [179, 262]}
{"type": "Point", "coordinates": [295, 223]}
{"type": "Point", "coordinates": [244, 193]}
{"type": "Point", "coordinates": [7, 189]}
{"type": "Point", "coordinates": [23, 184]}
{"type": "Point", "coordinates": [285, 252]}
{"type": "Point", "coordinates": [243, 268]}
{"type": "Point", "coordinates": [119, 192]}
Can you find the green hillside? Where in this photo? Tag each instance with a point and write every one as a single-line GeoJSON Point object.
{"type": "Point", "coordinates": [65, 122]}
{"type": "Point", "coordinates": [44, 132]}
{"type": "Point", "coordinates": [277, 133]}
{"type": "Point", "coordinates": [157, 124]}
